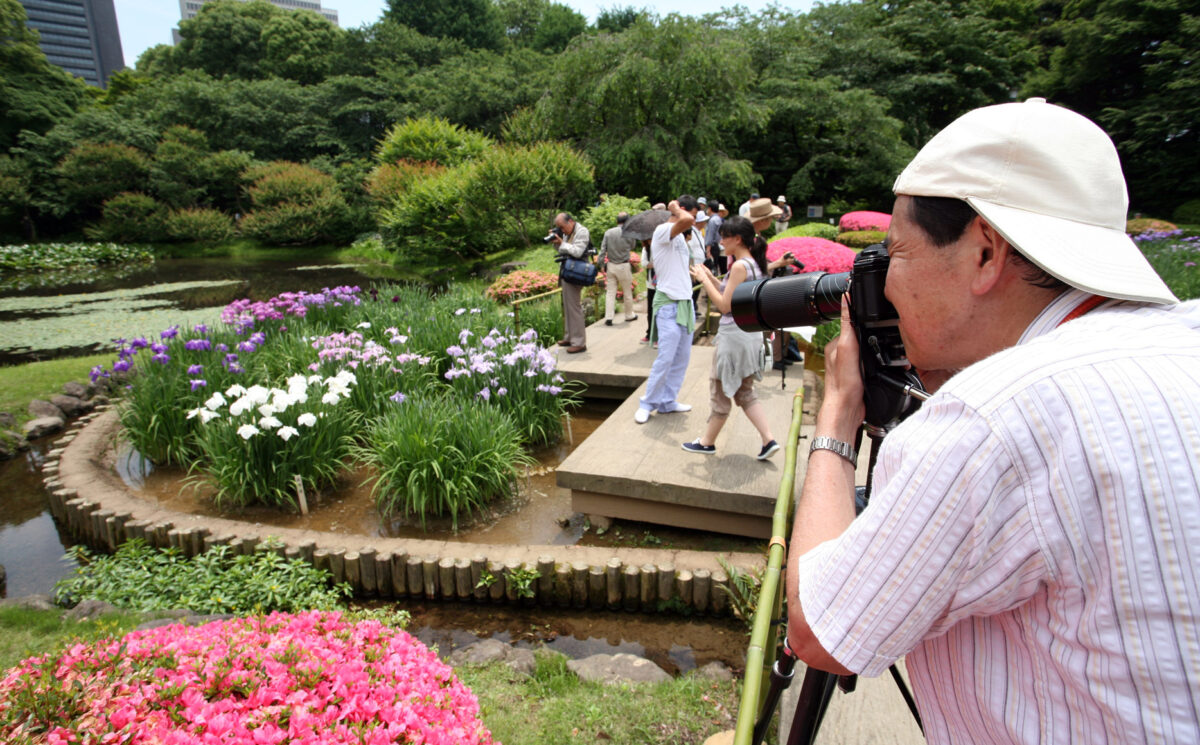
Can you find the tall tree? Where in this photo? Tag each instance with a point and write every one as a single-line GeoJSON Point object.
{"type": "Point", "coordinates": [34, 94]}
{"type": "Point", "coordinates": [1134, 67]}
{"type": "Point", "coordinates": [474, 22]}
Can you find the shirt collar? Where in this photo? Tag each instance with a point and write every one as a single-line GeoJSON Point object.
{"type": "Point", "coordinates": [1054, 314]}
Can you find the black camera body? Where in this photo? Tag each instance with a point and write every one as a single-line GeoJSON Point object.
{"type": "Point", "coordinates": [809, 299]}
{"type": "Point", "coordinates": [555, 232]}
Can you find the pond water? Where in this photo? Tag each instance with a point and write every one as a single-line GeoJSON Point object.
{"type": "Point", "coordinates": [82, 312]}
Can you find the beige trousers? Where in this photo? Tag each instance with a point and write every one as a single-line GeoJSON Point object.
{"type": "Point", "coordinates": [623, 274]}
{"type": "Point", "coordinates": [574, 325]}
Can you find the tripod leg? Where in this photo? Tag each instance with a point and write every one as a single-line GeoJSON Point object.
{"type": "Point", "coordinates": [908, 698]}
{"type": "Point", "coordinates": [815, 693]}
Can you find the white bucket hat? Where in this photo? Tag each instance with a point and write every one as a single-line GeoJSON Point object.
{"type": "Point", "coordinates": [1050, 181]}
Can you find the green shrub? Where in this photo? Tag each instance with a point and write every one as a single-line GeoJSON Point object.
{"type": "Point", "coordinates": [604, 215]}
{"type": "Point", "coordinates": [1187, 213]}
{"type": "Point", "coordinates": [389, 180]}
{"type": "Point", "coordinates": [130, 217]}
{"type": "Point", "coordinates": [294, 204]}
{"type": "Point", "coordinates": [860, 239]}
{"type": "Point", "coordinates": [430, 139]}
{"type": "Point", "coordinates": [200, 225]}
{"type": "Point", "coordinates": [93, 173]}
{"type": "Point", "coordinates": [1139, 225]}
{"type": "Point", "coordinates": [141, 578]}
{"type": "Point", "coordinates": [808, 230]}
{"type": "Point", "coordinates": [432, 225]}
{"type": "Point", "coordinates": [440, 456]}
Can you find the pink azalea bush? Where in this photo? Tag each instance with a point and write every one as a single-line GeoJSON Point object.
{"type": "Point", "coordinates": [864, 220]}
{"type": "Point", "coordinates": [521, 284]}
{"type": "Point", "coordinates": [310, 678]}
{"type": "Point", "coordinates": [816, 254]}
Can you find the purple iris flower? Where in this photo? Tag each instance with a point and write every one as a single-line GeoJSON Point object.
{"type": "Point", "coordinates": [222, 347]}
{"type": "Point", "coordinates": [197, 344]}
{"type": "Point", "coordinates": [398, 397]}
{"type": "Point", "coordinates": [258, 337]}
{"type": "Point", "coordinates": [97, 373]}
{"type": "Point", "coordinates": [158, 348]}
{"type": "Point", "coordinates": [170, 333]}
{"type": "Point", "coordinates": [195, 369]}
{"type": "Point", "coordinates": [200, 328]}
{"type": "Point", "coordinates": [198, 383]}
{"type": "Point", "coordinates": [139, 343]}
{"type": "Point", "coordinates": [161, 358]}
{"type": "Point", "coordinates": [246, 346]}
{"type": "Point", "coordinates": [121, 366]}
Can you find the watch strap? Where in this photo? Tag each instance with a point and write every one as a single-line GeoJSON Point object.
{"type": "Point", "coordinates": [844, 449]}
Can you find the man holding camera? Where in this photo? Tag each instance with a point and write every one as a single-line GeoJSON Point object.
{"type": "Point", "coordinates": [571, 239]}
{"type": "Point", "coordinates": [1033, 540]}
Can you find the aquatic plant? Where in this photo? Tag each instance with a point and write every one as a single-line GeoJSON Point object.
{"type": "Point", "coordinates": [42, 256]}
{"type": "Point", "coordinates": [314, 678]}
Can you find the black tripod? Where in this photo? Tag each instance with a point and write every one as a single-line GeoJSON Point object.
{"type": "Point", "coordinates": [817, 689]}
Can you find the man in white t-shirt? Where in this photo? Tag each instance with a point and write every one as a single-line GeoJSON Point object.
{"type": "Point", "coordinates": [673, 314]}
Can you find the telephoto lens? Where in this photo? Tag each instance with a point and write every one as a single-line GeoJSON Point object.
{"type": "Point", "coordinates": [783, 302]}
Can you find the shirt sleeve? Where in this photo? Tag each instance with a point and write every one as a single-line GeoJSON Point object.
{"type": "Point", "coordinates": [948, 534]}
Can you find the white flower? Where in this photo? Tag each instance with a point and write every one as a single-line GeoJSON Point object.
{"type": "Point", "coordinates": [207, 416]}
{"type": "Point", "coordinates": [314, 379]}
{"type": "Point", "coordinates": [235, 390]}
{"type": "Point", "coordinates": [194, 413]}
{"type": "Point", "coordinates": [215, 401]}
{"type": "Point", "coordinates": [269, 422]}
{"type": "Point", "coordinates": [331, 397]}
{"type": "Point", "coordinates": [297, 381]}
{"type": "Point", "coordinates": [246, 431]}
{"type": "Point", "coordinates": [258, 394]}
{"type": "Point", "coordinates": [346, 377]}
{"type": "Point", "coordinates": [241, 406]}
{"type": "Point", "coordinates": [267, 410]}
{"type": "Point", "coordinates": [307, 419]}
{"type": "Point", "coordinates": [363, 325]}
{"type": "Point", "coordinates": [287, 433]}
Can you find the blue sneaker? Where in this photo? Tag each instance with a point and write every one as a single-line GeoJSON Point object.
{"type": "Point", "coordinates": [695, 447]}
{"type": "Point", "coordinates": [768, 450]}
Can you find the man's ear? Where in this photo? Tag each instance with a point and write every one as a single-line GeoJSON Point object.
{"type": "Point", "coordinates": [990, 255]}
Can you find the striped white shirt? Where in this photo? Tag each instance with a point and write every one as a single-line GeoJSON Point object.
{"type": "Point", "coordinates": [1033, 542]}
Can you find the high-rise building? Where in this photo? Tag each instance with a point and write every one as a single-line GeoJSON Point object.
{"type": "Point", "coordinates": [189, 8]}
{"type": "Point", "coordinates": [80, 36]}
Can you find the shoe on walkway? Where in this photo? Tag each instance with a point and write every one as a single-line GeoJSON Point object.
{"type": "Point", "coordinates": [607, 321]}
{"type": "Point", "coordinates": [695, 447]}
{"type": "Point", "coordinates": [642, 416]}
{"type": "Point", "coordinates": [768, 450]}
{"type": "Point", "coordinates": [645, 340]}
{"type": "Point", "coordinates": [576, 350]}
{"type": "Point", "coordinates": [564, 342]}
{"type": "Point", "coordinates": [631, 319]}
{"type": "Point", "coordinates": [679, 408]}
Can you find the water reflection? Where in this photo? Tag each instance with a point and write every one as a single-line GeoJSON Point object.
{"type": "Point", "coordinates": [31, 543]}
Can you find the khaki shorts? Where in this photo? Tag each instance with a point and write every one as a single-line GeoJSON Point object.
{"type": "Point", "coordinates": [722, 405]}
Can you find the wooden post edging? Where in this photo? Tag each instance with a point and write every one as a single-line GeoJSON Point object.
{"type": "Point", "coordinates": [96, 508]}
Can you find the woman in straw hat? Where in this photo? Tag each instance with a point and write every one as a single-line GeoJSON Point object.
{"type": "Point", "coordinates": [737, 363]}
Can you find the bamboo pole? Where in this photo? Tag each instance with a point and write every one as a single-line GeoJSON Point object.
{"type": "Point", "coordinates": [760, 655]}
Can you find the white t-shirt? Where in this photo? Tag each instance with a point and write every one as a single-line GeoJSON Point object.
{"type": "Point", "coordinates": [670, 256]}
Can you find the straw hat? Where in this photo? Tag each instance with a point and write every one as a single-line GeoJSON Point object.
{"type": "Point", "coordinates": [762, 209]}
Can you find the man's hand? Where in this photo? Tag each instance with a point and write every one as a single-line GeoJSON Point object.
{"type": "Point", "coordinates": [842, 410]}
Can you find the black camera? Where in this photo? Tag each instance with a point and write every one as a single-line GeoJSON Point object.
{"type": "Point", "coordinates": [891, 388]}
{"type": "Point", "coordinates": [555, 232]}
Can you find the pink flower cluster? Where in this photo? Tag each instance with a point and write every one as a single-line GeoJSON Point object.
{"type": "Point", "coordinates": [816, 254]}
{"type": "Point", "coordinates": [521, 284]}
{"type": "Point", "coordinates": [308, 679]}
{"type": "Point", "coordinates": [288, 304]}
{"type": "Point", "coordinates": [864, 220]}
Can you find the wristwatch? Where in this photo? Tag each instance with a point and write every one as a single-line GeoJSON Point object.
{"type": "Point", "coordinates": [844, 449]}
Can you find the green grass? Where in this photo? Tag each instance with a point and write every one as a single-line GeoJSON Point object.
{"type": "Point", "coordinates": [25, 632]}
{"type": "Point", "coordinates": [20, 384]}
{"type": "Point", "coordinates": [554, 707]}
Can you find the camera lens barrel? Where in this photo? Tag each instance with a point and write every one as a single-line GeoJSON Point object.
{"type": "Point", "coordinates": [784, 302]}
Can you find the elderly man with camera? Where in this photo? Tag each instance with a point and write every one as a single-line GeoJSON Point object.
{"type": "Point", "coordinates": [1032, 544]}
{"type": "Point", "coordinates": [572, 240]}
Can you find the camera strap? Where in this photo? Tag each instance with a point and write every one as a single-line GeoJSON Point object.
{"type": "Point", "coordinates": [1083, 308]}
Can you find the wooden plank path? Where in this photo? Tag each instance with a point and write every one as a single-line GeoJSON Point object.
{"type": "Point", "coordinates": [640, 472]}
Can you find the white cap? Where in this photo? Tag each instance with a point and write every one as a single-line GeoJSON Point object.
{"type": "Point", "coordinates": [1050, 181]}
{"type": "Point", "coordinates": [782, 199]}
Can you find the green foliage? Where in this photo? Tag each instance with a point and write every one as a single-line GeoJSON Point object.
{"type": "Point", "coordinates": [1175, 259]}
{"type": "Point", "coordinates": [1187, 213]}
{"type": "Point", "coordinates": [431, 140]}
{"type": "Point", "coordinates": [34, 94]}
{"type": "Point", "coordinates": [742, 590]}
{"type": "Point", "coordinates": [131, 217]}
{"type": "Point", "coordinates": [436, 456]}
{"type": "Point", "coordinates": [824, 334]}
{"type": "Point", "coordinates": [47, 256]}
{"type": "Point", "coordinates": [199, 225]}
{"type": "Point", "coordinates": [474, 22]}
{"type": "Point", "coordinates": [387, 181]}
{"type": "Point", "coordinates": [521, 579]}
{"type": "Point", "coordinates": [808, 230]}
{"type": "Point", "coordinates": [603, 216]}
{"type": "Point", "coordinates": [294, 204]}
{"type": "Point", "coordinates": [93, 173]}
{"type": "Point", "coordinates": [860, 239]}
{"type": "Point", "coordinates": [559, 25]}
{"type": "Point", "coordinates": [616, 19]}
{"type": "Point", "coordinates": [141, 578]}
{"type": "Point", "coordinates": [620, 99]}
